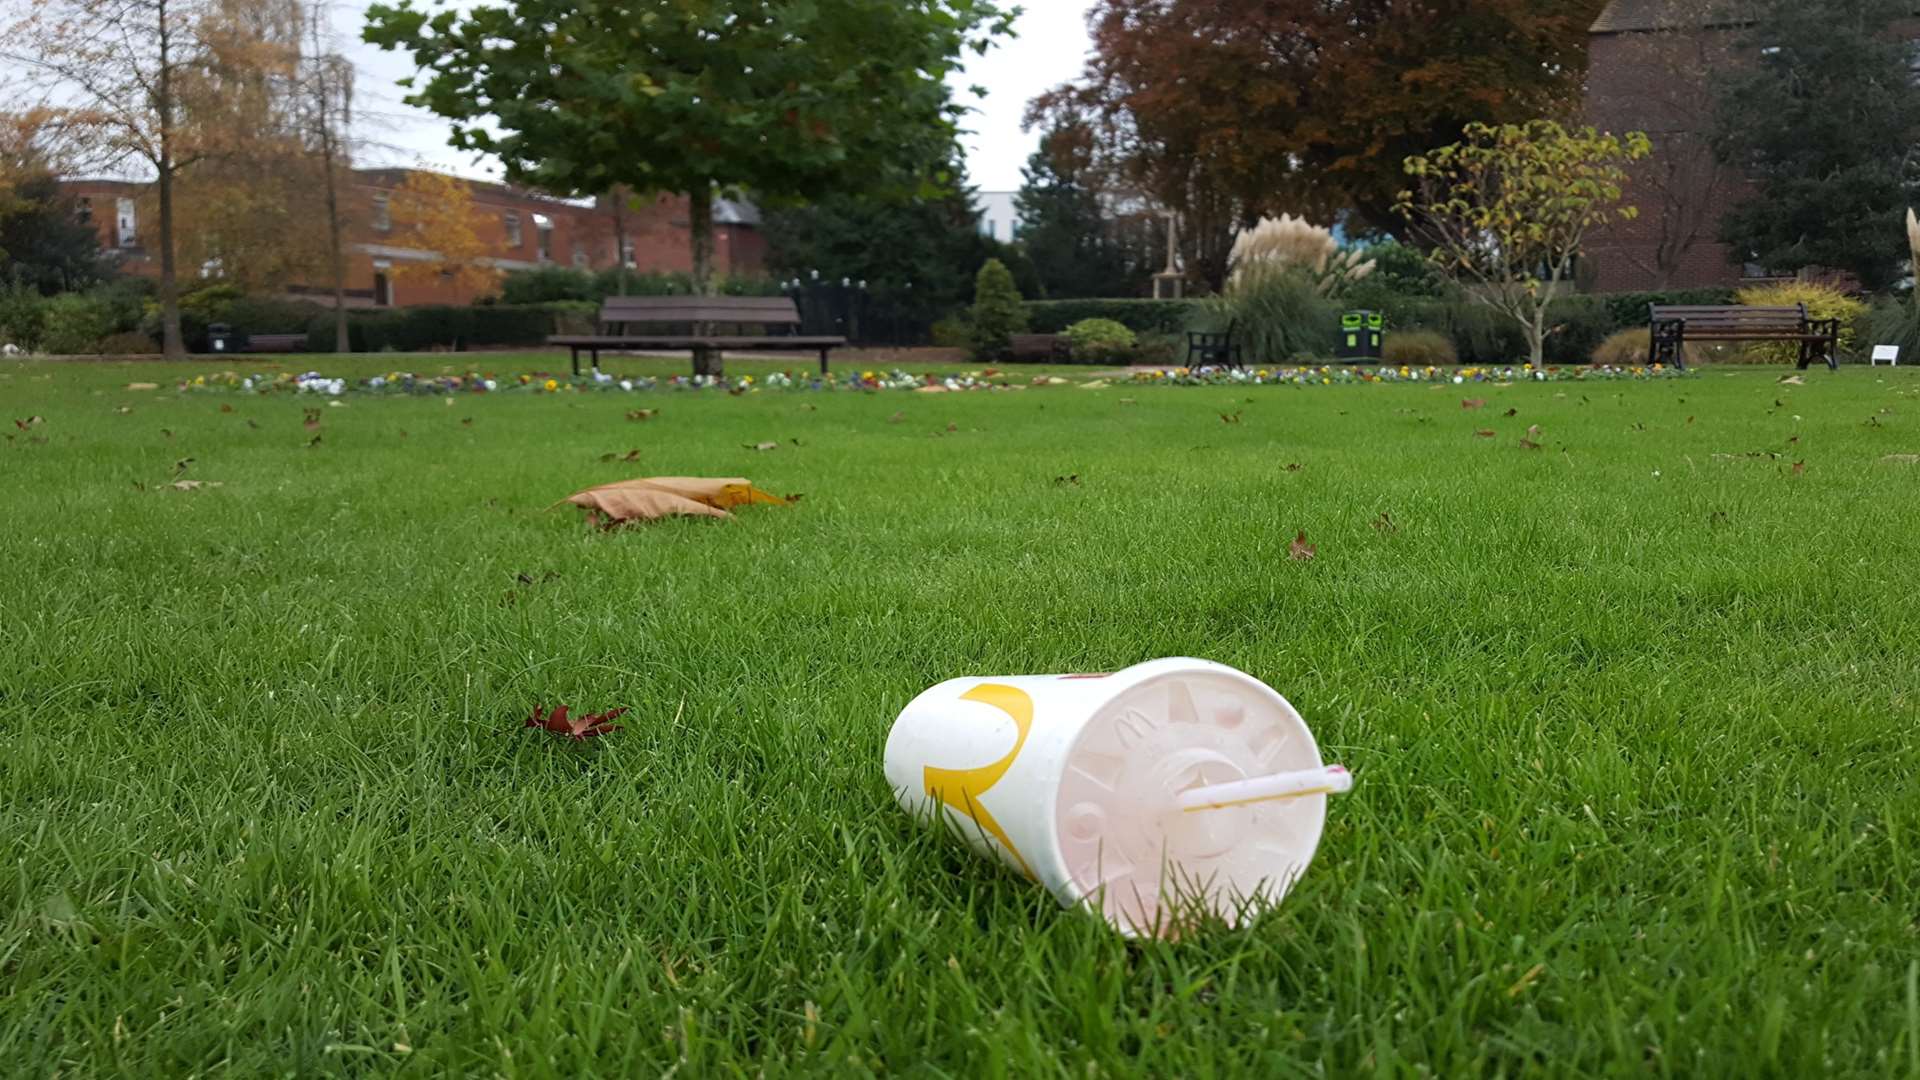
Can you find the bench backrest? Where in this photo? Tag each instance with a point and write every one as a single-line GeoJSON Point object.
{"type": "Point", "coordinates": [756, 310]}
{"type": "Point", "coordinates": [1721, 316]}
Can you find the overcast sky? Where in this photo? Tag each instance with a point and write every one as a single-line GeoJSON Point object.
{"type": "Point", "coordinates": [1050, 50]}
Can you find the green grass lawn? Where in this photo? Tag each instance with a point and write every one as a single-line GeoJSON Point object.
{"type": "Point", "coordinates": [1633, 716]}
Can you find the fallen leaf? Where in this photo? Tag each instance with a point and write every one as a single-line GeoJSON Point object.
{"type": "Point", "coordinates": [953, 427]}
{"type": "Point", "coordinates": [896, 418]}
{"type": "Point", "coordinates": [1128, 401]}
{"type": "Point", "coordinates": [579, 729]}
{"type": "Point", "coordinates": [1232, 417]}
{"type": "Point", "coordinates": [654, 497]}
{"type": "Point", "coordinates": [124, 410]}
{"type": "Point", "coordinates": [1529, 444]}
{"type": "Point", "coordinates": [166, 432]}
{"type": "Point", "coordinates": [762, 446]}
{"type": "Point", "coordinates": [1901, 459]}
{"type": "Point", "coordinates": [1689, 419]}
{"type": "Point", "coordinates": [642, 414]}
{"type": "Point", "coordinates": [1063, 481]}
{"type": "Point", "coordinates": [1533, 431]}
{"type": "Point", "coordinates": [795, 497]}
{"type": "Point", "coordinates": [1097, 384]}
{"type": "Point", "coordinates": [1792, 380]}
{"type": "Point", "coordinates": [1299, 549]}
{"type": "Point", "coordinates": [1718, 517]}
{"type": "Point", "coordinates": [1385, 523]}
{"type": "Point", "coordinates": [1511, 412]}
{"type": "Point", "coordinates": [310, 418]}
{"type": "Point", "coordinates": [225, 407]}
{"type": "Point", "coordinates": [193, 485]}
{"type": "Point", "coordinates": [1472, 402]}
{"type": "Point", "coordinates": [1799, 467]}
{"type": "Point", "coordinates": [1485, 433]}
{"type": "Point", "coordinates": [466, 421]}
{"type": "Point", "coordinates": [313, 442]}
{"type": "Point", "coordinates": [254, 424]}
{"type": "Point", "coordinates": [1294, 466]}
{"type": "Point", "coordinates": [182, 465]}
{"type": "Point", "coordinates": [336, 404]}
{"type": "Point", "coordinates": [629, 456]}
{"type": "Point", "coordinates": [143, 386]}
{"type": "Point", "coordinates": [29, 423]}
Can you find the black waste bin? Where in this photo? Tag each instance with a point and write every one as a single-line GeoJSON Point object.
{"type": "Point", "coordinates": [221, 338]}
{"type": "Point", "coordinates": [1361, 333]}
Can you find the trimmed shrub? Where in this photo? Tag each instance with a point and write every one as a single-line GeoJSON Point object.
{"type": "Point", "coordinates": [127, 343]}
{"type": "Point", "coordinates": [997, 314]}
{"type": "Point", "coordinates": [1099, 341]}
{"type": "Point", "coordinates": [76, 323]}
{"type": "Point", "coordinates": [1139, 316]}
{"type": "Point", "coordinates": [422, 329]}
{"type": "Point", "coordinates": [1417, 348]}
{"type": "Point", "coordinates": [23, 317]}
{"type": "Point", "coordinates": [548, 284]}
{"type": "Point", "coordinates": [1822, 301]}
{"type": "Point", "coordinates": [1896, 322]}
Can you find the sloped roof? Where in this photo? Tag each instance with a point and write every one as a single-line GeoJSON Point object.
{"type": "Point", "coordinates": [1624, 16]}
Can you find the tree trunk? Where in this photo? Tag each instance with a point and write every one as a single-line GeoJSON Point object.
{"type": "Point", "coordinates": [700, 215]}
{"type": "Point", "coordinates": [1537, 338]}
{"type": "Point", "coordinates": [172, 345]}
{"type": "Point", "coordinates": [338, 251]}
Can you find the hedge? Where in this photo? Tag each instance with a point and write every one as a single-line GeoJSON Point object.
{"type": "Point", "coordinates": [1479, 334]}
{"type": "Point", "coordinates": [419, 329]}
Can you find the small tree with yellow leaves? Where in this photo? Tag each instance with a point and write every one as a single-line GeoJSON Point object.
{"type": "Point", "coordinates": [434, 212]}
{"type": "Point", "coordinates": [1505, 211]}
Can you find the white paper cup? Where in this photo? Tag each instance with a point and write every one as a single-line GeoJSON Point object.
{"type": "Point", "coordinates": [1078, 781]}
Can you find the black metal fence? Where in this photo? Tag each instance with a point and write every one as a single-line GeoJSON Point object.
{"type": "Point", "coordinates": [863, 314]}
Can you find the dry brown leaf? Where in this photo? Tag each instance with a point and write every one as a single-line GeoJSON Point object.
{"type": "Point", "coordinates": [1472, 402]}
{"type": "Point", "coordinates": [762, 446]}
{"type": "Point", "coordinates": [225, 407]}
{"type": "Point", "coordinates": [1529, 444]}
{"type": "Point", "coordinates": [1294, 466]}
{"type": "Point", "coordinates": [1799, 467]}
{"type": "Point", "coordinates": [1901, 459]}
{"type": "Point", "coordinates": [654, 497]}
{"type": "Point", "coordinates": [1231, 418]}
{"type": "Point", "coordinates": [1385, 523]}
{"type": "Point", "coordinates": [143, 386]}
{"type": "Point", "coordinates": [642, 414]}
{"type": "Point", "coordinates": [1485, 433]}
{"type": "Point", "coordinates": [1300, 550]}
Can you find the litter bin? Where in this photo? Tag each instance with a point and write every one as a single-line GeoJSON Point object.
{"type": "Point", "coordinates": [221, 338]}
{"type": "Point", "coordinates": [1361, 333]}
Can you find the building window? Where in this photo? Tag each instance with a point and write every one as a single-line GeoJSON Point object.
{"type": "Point", "coordinates": [382, 213]}
{"type": "Point", "coordinates": [382, 285]}
{"type": "Point", "coordinates": [85, 212]}
{"type": "Point", "coordinates": [512, 221]}
{"type": "Point", "coordinates": [126, 224]}
{"type": "Point", "coordinates": [543, 234]}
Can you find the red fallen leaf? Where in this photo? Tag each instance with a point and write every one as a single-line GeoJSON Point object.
{"type": "Point", "coordinates": [311, 419]}
{"type": "Point", "coordinates": [1799, 467]}
{"type": "Point", "coordinates": [1472, 402]}
{"type": "Point", "coordinates": [224, 407]}
{"type": "Point", "coordinates": [28, 423]}
{"type": "Point", "coordinates": [1300, 550]}
{"type": "Point", "coordinates": [1485, 433]}
{"type": "Point", "coordinates": [579, 729]}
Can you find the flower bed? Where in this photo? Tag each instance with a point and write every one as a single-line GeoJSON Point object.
{"type": "Point", "coordinates": [401, 383]}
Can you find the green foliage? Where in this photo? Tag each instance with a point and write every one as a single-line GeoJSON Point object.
{"type": "Point", "coordinates": [1076, 247]}
{"type": "Point", "coordinates": [1417, 348]}
{"type": "Point", "coordinates": [418, 329]}
{"type": "Point", "coordinates": [1896, 322]}
{"type": "Point", "coordinates": [663, 95]}
{"type": "Point", "coordinates": [1139, 316]}
{"type": "Point", "coordinates": [1507, 209]}
{"type": "Point", "coordinates": [23, 316]}
{"type": "Point", "coordinates": [1399, 272]}
{"type": "Point", "coordinates": [548, 284]}
{"type": "Point", "coordinates": [76, 323]}
{"type": "Point", "coordinates": [1819, 123]}
{"type": "Point", "coordinates": [43, 244]}
{"type": "Point", "coordinates": [1631, 347]}
{"type": "Point", "coordinates": [996, 314]}
{"type": "Point", "coordinates": [1277, 314]}
{"type": "Point", "coordinates": [951, 332]}
{"type": "Point", "coordinates": [1099, 341]}
{"type": "Point", "coordinates": [1822, 302]}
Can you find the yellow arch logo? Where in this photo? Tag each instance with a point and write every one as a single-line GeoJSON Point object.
{"type": "Point", "coordinates": [962, 788]}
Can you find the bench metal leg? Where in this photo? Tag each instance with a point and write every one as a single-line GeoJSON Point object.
{"type": "Point", "coordinates": [576, 361]}
{"type": "Point", "coordinates": [823, 360]}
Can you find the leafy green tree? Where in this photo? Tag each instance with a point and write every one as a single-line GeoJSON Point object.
{"type": "Point", "coordinates": [1506, 210]}
{"type": "Point", "coordinates": [785, 99]}
{"type": "Point", "coordinates": [1823, 123]}
{"type": "Point", "coordinates": [1077, 249]}
{"type": "Point", "coordinates": [43, 243]}
{"type": "Point", "coordinates": [997, 313]}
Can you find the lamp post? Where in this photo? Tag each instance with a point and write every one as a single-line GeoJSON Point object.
{"type": "Point", "coordinates": [1168, 284]}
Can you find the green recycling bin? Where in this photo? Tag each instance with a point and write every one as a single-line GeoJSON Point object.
{"type": "Point", "coordinates": [1361, 333]}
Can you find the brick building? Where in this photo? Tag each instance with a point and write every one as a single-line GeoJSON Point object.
{"type": "Point", "coordinates": [523, 229]}
{"type": "Point", "coordinates": [1658, 66]}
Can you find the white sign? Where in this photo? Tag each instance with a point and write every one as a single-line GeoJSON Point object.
{"type": "Point", "coordinates": [1889, 353]}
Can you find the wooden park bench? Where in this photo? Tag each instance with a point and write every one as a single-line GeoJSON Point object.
{"type": "Point", "coordinates": [1672, 326]}
{"type": "Point", "coordinates": [1214, 350]}
{"type": "Point", "coordinates": [697, 322]}
{"type": "Point", "coordinates": [275, 343]}
{"type": "Point", "coordinates": [1041, 347]}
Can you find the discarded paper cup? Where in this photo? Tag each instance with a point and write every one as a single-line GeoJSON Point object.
{"type": "Point", "coordinates": [1140, 793]}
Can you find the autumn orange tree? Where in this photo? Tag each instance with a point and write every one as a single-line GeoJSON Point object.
{"type": "Point", "coordinates": [1507, 209]}
{"type": "Point", "coordinates": [433, 213]}
{"type": "Point", "coordinates": [1230, 110]}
